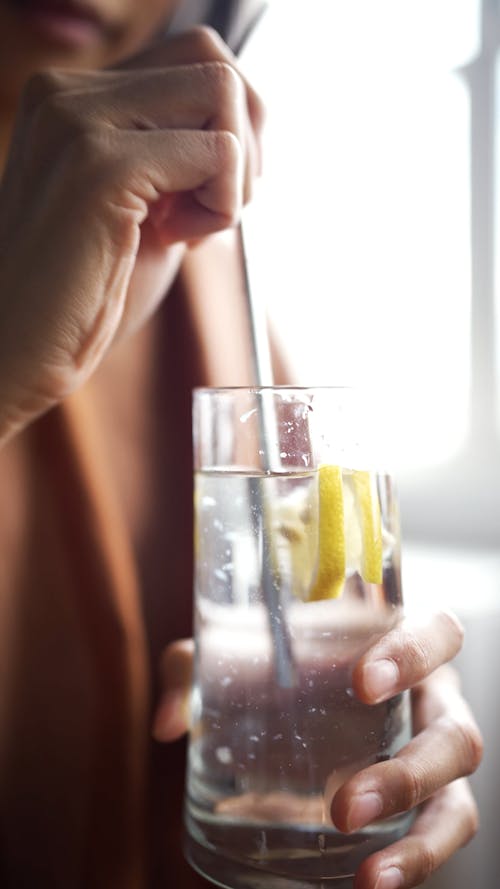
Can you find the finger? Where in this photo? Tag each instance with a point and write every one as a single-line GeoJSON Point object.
{"type": "Point", "coordinates": [447, 822]}
{"type": "Point", "coordinates": [203, 96]}
{"type": "Point", "coordinates": [176, 670]}
{"type": "Point", "coordinates": [208, 95]}
{"type": "Point", "coordinates": [406, 655]}
{"type": "Point", "coordinates": [449, 748]}
{"type": "Point", "coordinates": [135, 169]}
{"type": "Point", "coordinates": [203, 44]}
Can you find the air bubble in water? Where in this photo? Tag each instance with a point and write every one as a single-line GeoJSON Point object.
{"type": "Point", "coordinates": [224, 755]}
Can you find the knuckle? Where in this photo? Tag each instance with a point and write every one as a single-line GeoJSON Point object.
{"type": "Point", "coordinates": [228, 149]}
{"type": "Point", "coordinates": [467, 737]}
{"type": "Point", "coordinates": [40, 85]}
{"type": "Point", "coordinates": [259, 111]}
{"type": "Point", "coordinates": [428, 861]}
{"type": "Point", "coordinates": [453, 625]}
{"type": "Point", "coordinates": [225, 80]}
{"type": "Point", "coordinates": [473, 744]}
{"type": "Point", "coordinates": [104, 168]}
{"type": "Point", "coordinates": [409, 783]}
{"type": "Point", "coordinates": [417, 656]}
{"type": "Point", "coordinates": [207, 41]}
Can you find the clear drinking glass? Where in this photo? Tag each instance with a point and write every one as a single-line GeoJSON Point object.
{"type": "Point", "coordinates": [285, 500]}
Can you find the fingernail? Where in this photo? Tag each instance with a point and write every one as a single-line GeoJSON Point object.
{"type": "Point", "coordinates": [380, 678]}
{"type": "Point", "coordinates": [391, 878]}
{"type": "Point", "coordinates": [365, 807]}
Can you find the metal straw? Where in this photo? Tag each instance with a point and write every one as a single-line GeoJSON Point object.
{"type": "Point", "coordinates": [270, 461]}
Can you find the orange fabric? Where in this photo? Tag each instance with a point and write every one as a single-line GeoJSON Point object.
{"type": "Point", "coordinates": [95, 578]}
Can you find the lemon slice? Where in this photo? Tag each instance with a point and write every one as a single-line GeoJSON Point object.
{"type": "Point", "coordinates": [295, 522]}
{"type": "Point", "coordinates": [370, 521]}
{"type": "Point", "coordinates": [341, 534]}
{"type": "Point", "coordinates": [330, 576]}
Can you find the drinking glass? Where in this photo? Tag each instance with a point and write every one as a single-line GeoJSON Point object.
{"type": "Point", "coordinates": [276, 726]}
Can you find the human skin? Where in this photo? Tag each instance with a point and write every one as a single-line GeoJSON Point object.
{"type": "Point", "coordinates": [427, 773]}
{"type": "Point", "coordinates": [109, 176]}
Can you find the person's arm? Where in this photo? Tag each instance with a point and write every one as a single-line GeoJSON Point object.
{"type": "Point", "coordinates": [427, 775]}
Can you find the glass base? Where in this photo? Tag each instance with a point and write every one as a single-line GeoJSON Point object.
{"type": "Point", "coordinates": [242, 856]}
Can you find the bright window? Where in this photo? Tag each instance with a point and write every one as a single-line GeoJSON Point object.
{"type": "Point", "coordinates": [362, 224]}
{"type": "Point", "coordinates": [371, 236]}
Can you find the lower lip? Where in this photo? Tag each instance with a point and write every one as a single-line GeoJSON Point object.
{"type": "Point", "coordinates": [63, 30]}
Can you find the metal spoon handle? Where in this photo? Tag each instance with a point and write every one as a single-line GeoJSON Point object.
{"type": "Point", "coordinates": [270, 462]}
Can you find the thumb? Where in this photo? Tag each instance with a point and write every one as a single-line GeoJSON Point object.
{"type": "Point", "coordinates": [171, 719]}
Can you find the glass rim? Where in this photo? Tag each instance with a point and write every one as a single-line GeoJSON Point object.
{"type": "Point", "coordinates": [201, 390]}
